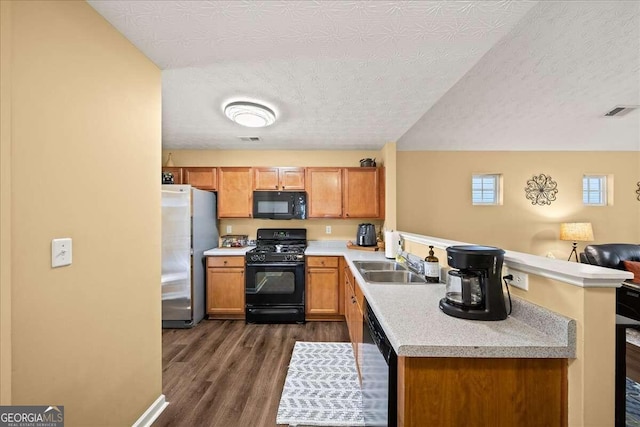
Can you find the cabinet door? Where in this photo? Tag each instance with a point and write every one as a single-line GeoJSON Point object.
{"type": "Point", "coordinates": [292, 179]}
{"type": "Point", "coordinates": [225, 291]}
{"type": "Point", "coordinates": [324, 187]}
{"type": "Point", "coordinates": [358, 337]}
{"type": "Point", "coordinates": [265, 178]}
{"type": "Point", "coordinates": [204, 178]}
{"type": "Point", "coordinates": [235, 193]}
{"type": "Point", "coordinates": [322, 291]}
{"type": "Point", "coordinates": [177, 173]}
{"type": "Point", "coordinates": [361, 193]}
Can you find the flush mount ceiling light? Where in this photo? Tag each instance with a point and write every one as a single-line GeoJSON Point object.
{"type": "Point", "coordinates": [250, 114]}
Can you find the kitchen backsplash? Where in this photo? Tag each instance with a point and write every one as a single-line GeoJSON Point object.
{"type": "Point", "coordinates": [341, 229]}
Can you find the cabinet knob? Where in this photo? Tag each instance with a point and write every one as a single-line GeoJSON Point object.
{"type": "Point", "coordinates": [283, 187]}
{"type": "Point", "coordinates": [276, 186]}
{"type": "Point", "coordinates": [225, 262]}
{"type": "Point", "coordinates": [346, 214]}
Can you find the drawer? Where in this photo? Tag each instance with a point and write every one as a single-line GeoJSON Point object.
{"type": "Point", "coordinates": [225, 261]}
{"type": "Point", "coordinates": [322, 261]}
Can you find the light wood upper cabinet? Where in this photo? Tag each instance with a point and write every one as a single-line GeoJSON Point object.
{"type": "Point", "coordinates": [324, 188]}
{"type": "Point", "coordinates": [235, 192]}
{"type": "Point", "coordinates": [278, 178]}
{"type": "Point", "coordinates": [362, 192]}
{"type": "Point", "coordinates": [203, 178]}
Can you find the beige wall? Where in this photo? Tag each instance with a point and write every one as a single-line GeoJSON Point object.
{"type": "Point", "coordinates": [341, 229]}
{"type": "Point", "coordinates": [434, 198]}
{"type": "Point", "coordinates": [84, 158]}
{"type": "Point", "coordinates": [5, 203]}
{"type": "Point", "coordinates": [389, 158]}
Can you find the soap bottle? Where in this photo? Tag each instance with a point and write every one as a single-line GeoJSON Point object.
{"type": "Point", "coordinates": [431, 267]}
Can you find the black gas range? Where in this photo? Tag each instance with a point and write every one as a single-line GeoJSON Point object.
{"type": "Point", "coordinates": [275, 276]}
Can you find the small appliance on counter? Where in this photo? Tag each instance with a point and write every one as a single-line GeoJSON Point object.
{"type": "Point", "coordinates": [366, 235]}
{"type": "Point", "coordinates": [474, 290]}
{"type": "Point", "coordinates": [234, 241]}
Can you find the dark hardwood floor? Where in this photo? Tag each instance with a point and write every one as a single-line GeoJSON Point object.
{"type": "Point", "coordinates": [225, 373]}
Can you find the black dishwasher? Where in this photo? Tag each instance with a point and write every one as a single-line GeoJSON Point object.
{"type": "Point", "coordinates": [379, 374]}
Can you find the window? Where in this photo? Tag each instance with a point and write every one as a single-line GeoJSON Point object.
{"type": "Point", "coordinates": [485, 190]}
{"type": "Point", "coordinates": [594, 190]}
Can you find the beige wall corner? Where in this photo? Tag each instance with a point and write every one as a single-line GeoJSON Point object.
{"type": "Point", "coordinates": [388, 156]}
{"type": "Point", "coordinates": [85, 160]}
{"type": "Point", "coordinates": [5, 203]}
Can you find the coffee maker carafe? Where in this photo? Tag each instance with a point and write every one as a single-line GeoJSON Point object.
{"type": "Point", "coordinates": [474, 289]}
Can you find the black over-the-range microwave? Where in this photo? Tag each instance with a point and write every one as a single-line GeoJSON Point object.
{"type": "Point", "coordinates": [280, 204]}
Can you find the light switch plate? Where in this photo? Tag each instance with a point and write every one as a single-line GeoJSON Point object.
{"type": "Point", "coordinates": [61, 252]}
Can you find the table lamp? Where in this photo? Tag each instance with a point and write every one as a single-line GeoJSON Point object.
{"type": "Point", "coordinates": [576, 232]}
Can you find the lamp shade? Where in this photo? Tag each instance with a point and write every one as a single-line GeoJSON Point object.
{"type": "Point", "coordinates": [576, 231]}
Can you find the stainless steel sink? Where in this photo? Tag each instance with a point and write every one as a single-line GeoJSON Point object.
{"type": "Point", "coordinates": [392, 277]}
{"type": "Point", "coordinates": [379, 266]}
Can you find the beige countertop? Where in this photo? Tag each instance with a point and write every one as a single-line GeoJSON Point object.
{"type": "Point", "coordinates": [416, 327]}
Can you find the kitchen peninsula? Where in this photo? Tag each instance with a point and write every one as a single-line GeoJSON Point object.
{"type": "Point", "coordinates": [430, 344]}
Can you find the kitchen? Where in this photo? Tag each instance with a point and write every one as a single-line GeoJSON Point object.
{"type": "Point", "coordinates": [130, 159]}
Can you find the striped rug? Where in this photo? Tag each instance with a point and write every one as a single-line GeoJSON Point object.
{"type": "Point", "coordinates": [321, 388]}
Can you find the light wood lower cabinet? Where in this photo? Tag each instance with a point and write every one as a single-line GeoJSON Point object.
{"type": "Point", "coordinates": [323, 289]}
{"type": "Point", "coordinates": [495, 392]}
{"type": "Point", "coordinates": [225, 287]}
{"type": "Point", "coordinates": [353, 313]}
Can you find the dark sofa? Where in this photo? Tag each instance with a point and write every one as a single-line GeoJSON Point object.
{"type": "Point", "coordinates": [612, 255]}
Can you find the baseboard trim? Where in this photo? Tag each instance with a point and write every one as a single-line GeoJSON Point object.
{"type": "Point", "coordinates": [152, 412]}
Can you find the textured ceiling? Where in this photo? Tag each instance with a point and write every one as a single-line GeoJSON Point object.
{"type": "Point", "coordinates": [358, 74]}
{"type": "Point", "coordinates": [546, 86]}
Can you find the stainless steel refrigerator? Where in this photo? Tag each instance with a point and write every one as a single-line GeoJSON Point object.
{"type": "Point", "coordinates": [188, 229]}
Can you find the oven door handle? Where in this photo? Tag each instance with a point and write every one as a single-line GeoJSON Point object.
{"type": "Point", "coordinates": [280, 264]}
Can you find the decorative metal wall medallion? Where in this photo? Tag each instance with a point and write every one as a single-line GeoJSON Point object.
{"type": "Point", "coordinates": [638, 191]}
{"type": "Point", "coordinates": [541, 190]}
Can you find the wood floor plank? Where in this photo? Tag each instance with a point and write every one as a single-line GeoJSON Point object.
{"type": "Point", "coordinates": [225, 373]}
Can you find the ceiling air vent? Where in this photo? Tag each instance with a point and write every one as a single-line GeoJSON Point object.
{"type": "Point", "coordinates": [621, 110]}
{"type": "Point", "coordinates": [250, 138]}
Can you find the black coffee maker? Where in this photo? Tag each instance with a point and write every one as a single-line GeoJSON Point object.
{"type": "Point", "coordinates": [474, 290]}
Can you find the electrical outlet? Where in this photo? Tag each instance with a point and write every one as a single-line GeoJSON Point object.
{"type": "Point", "coordinates": [520, 279]}
{"type": "Point", "coordinates": [229, 229]}
{"type": "Point", "coordinates": [327, 229]}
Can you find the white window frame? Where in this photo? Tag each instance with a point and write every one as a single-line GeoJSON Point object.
{"type": "Point", "coordinates": [601, 189]}
{"type": "Point", "coordinates": [495, 189]}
